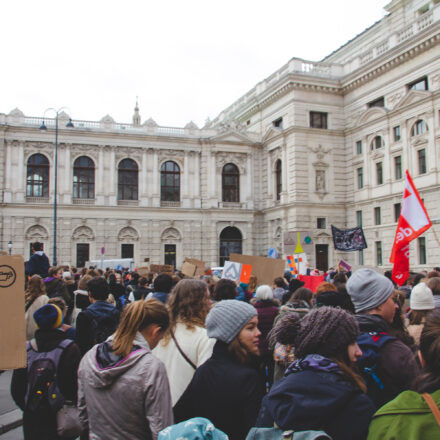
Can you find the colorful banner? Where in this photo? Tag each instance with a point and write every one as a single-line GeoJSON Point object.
{"type": "Point", "coordinates": [348, 240]}
{"type": "Point", "coordinates": [312, 282]}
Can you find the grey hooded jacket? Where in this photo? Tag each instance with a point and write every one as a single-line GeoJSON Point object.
{"type": "Point", "coordinates": [123, 398]}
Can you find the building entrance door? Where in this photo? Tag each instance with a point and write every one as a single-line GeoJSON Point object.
{"type": "Point", "coordinates": [321, 256]}
{"type": "Point", "coordinates": [82, 254]}
{"type": "Point", "coordinates": [170, 254]}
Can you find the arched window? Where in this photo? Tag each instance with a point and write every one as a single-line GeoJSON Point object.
{"type": "Point", "coordinates": [37, 177]}
{"type": "Point", "coordinates": [83, 178]}
{"type": "Point", "coordinates": [278, 182]}
{"type": "Point", "coordinates": [230, 243]}
{"type": "Point", "coordinates": [419, 128]}
{"type": "Point", "coordinates": [376, 143]}
{"type": "Point", "coordinates": [127, 180]}
{"type": "Point", "coordinates": [169, 182]}
{"type": "Point", "coordinates": [230, 183]}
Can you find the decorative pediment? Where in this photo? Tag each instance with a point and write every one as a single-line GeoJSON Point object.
{"type": "Point", "coordinates": [36, 232]}
{"type": "Point", "coordinates": [171, 234]}
{"type": "Point", "coordinates": [107, 119]}
{"type": "Point", "coordinates": [271, 132]}
{"type": "Point", "coordinates": [419, 140]}
{"type": "Point", "coordinates": [83, 233]}
{"type": "Point", "coordinates": [411, 97]}
{"type": "Point", "coordinates": [191, 126]}
{"type": "Point", "coordinates": [322, 235]}
{"type": "Point", "coordinates": [371, 114]}
{"type": "Point", "coordinates": [150, 122]}
{"type": "Point", "coordinates": [128, 234]}
{"type": "Point", "coordinates": [231, 137]}
{"type": "Point", "coordinates": [240, 160]}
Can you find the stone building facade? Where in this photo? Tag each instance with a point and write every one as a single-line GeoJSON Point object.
{"type": "Point", "coordinates": [314, 144]}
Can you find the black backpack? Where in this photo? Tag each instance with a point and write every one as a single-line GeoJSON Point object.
{"type": "Point", "coordinates": [103, 326]}
{"type": "Point", "coordinates": [43, 397]}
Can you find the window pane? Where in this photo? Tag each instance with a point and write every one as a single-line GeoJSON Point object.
{"type": "Point", "coordinates": [37, 176]}
{"type": "Point", "coordinates": [398, 167]}
{"type": "Point", "coordinates": [422, 161]}
{"type": "Point", "coordinates": [422, 250]}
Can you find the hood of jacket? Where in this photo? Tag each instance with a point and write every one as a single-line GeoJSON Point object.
{"type": "Point", "coordinates": [372, 323]}
{"type": "Point", "coordinates": [102, 308]}
{"type": "Point", "coordinates": [106, 367]}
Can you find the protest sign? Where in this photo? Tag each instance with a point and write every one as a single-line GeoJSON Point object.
{"type": "Point", "coordinates": [143, 271]}
{"type": "Point", "coordinates": [312, 282]}
{"type": "Point", "coordinates": [12, 318]}
{"type": "Point", "coordinates": [348, 240]}
{"type": "Point", "coordinates": [265, 269]}
{"type": "Point", "coordinates": [231, 271]}
{"type": "Point", "coordinates": [200, 266]}
{"type": "Point", "coordinates": [188, 269]}
{"type": "Point", "coordinates": [161, 268]}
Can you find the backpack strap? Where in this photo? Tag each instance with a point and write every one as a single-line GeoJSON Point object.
{"type": "Point", "coordinates": [432, 406]}
{"type": "Point", "coordinates": [182, 352]}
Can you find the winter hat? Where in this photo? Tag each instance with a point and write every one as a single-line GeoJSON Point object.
{"type": "Point", "coordinates": [330, 298]}
{"type": "Point", "coordinates": [368, 289]}
{"type": "Point", "coordinates": [326, 331]}
{"type": "Point", "coordinates": [48, 316]}
{"type": "Point", "coordinates": [227, 318]}
{"type": "Point", "coordinates": [421, 298]}
{"type": "Point", "coordinates": [264, 292]}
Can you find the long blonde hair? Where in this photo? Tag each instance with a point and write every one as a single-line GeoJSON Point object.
{"type": "Point", "coordinates": [34, 289]}
{"type": "Point", "coordinates": [136, 317]}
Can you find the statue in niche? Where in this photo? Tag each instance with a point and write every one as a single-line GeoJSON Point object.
{"type": "Point", "coordinates": [320, 180]}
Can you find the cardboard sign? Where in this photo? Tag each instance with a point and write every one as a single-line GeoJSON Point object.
{"type": "Point", "coordinates": [200, 266]}
{"type": "Point", "coordinates": [143, 271]}
{"type": "Point", "coordinates": [12, 316]}
{"type": "Point", "coordinates": [231, 271]}
{"type": "Point", "coordinates": [265, 269]}
{"type": "Point", "coordinates": [344, 266]}
{"type": "Point", "coordinates": [301, 263]}
{"type": "Point", "coordinates": [188, 269]}
{"type": "Point", "coordinates": [161, 268]}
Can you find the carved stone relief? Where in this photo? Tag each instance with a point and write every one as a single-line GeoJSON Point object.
{"type": "Point", "coordinates": [238, 159]}
{"type": "Point", "coordinates": [320, 180]}
{"type": "Point", "coordinates": [171, 234]}
{"type": "Point", "coordinates": [83, 233]}
{"type": "Point", "coordinates": [37, 232]}
{"type": "Point", "coordinates": [128, 233]}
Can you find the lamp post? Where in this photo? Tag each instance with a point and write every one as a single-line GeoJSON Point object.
{"type": "Point", "coordinates": [10, 247]}
{"type": "Point", "coordinates": [55, 195]}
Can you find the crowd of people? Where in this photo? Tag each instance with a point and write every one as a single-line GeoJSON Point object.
{"type": "Point", "coordinates": [168, 356]}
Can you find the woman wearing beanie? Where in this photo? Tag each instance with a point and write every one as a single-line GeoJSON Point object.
{"type": "Point", "coordinates": [35, 297]}
{"type": "Point", "coordinates": [409, 415]}
{"type": "Point", "coordinates": [321, 390]}
{"type": "Point", "coordinates": [228, 388]}
{"type": "Point", "coordinates": [123, 389]}
{"type": "Point", "coordinates": [48, 338]}
{"type": "Point", "coordinates": [186, 345]}
{"type": "Point", "coordinates": [421, 302]}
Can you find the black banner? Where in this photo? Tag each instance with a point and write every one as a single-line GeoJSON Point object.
{"type": "Point", "coordinates": [349, 239]}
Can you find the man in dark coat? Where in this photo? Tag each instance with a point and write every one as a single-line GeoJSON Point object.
{"type": "Point", "coordinates": [372, 295]}
{"type": "Point", "coordinates": [162, 287]}
{"type": "Point", "coordinates": [100, 320]}
{"type": "Point", "coordinates": [38, 264]}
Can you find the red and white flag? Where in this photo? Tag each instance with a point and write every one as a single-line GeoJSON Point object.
{"type": "Point", "coordinates": [413, 221]}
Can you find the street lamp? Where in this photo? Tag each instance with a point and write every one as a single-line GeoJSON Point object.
{"type": "Point", "coordinates": [10, 247]}
{"type": "Point", "coordinates": [44, 128]}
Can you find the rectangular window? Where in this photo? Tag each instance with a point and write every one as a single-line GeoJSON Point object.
{"type": "Point", "coordinates": [321, 223]}
{"type": "Point", "coordinates": [397, 208]}
{"type": "Point", "coordinates": [379, 253]}
{"type": "Point", "coordinates": [359, 147]}
{"type": "Point", "coordinates": [360, 178]}
{"type": "Point", "coordinates": [379, 173]}
{"type": "Point", "coordinates": [361, 257]}
{"type": "Point", "coordinates": [419, 84]}
{"type": "Point", "coordinates": [421, 241]}
{"type": "Point", "coordinates": [380, 102]}
{"type": "Point", "coordinates": [421, 154]}
{"type": "Point", "coordinates": [377, 216]}
{"type": "Point", "coordinates": [398, 167]}
{"type": "Point", "coordinates": [278, 123]}
{"type": "Point", "coordinates": [82, 254]}
{"type": "Point", "coordinates": [318, 119]}
{"type": "Point", "coordinates": [396, 133]}
{"type": "Point", "coordinates": [359, 218]}
{"type": "Point", "coordinates": [127, 250]}
{"type": "Point", "coordinates": [170, 254]}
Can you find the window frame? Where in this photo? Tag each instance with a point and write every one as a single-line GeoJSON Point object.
{"type": "Point", "coordinates": [37, 187]}
{"type": "Point", "coordinates": [379, 253]}
{"type": "Point", "coordinates": [170, 192]}
{"type": "Point", "coordinates": [84, 187]}
{"type": "Point", "coordinates": [359, 218]}
{"type": "Point", "coordinates": [360, 177]}
{"type": "Point", "coordinates": [379, 173]}
{"type": "Point", "coordinates": [375, 141]}
{"type": "Point", "coordinates": [397, 133]}
{"type": "Point", "coordinates": [377, 216]}
{"type": "Point", "coordinates": [379, 102]}
{"type": "Point", "coordinates": [278, 179]}
{"type": "Point", "coordinates": [359, 147]}
{"type": "Point", "coordinates": [128, 188]}
{"type": "Point", "coordinates": [321, 223]}
{"type": "Point", "coordinates": [421, 161]}
{"type": "Point", "coordinates": [230, 192]}
{"type": "Point", "coordinates": [397, 207]}
{"type": "Point", "coordinates": [398, 167]}
{"type": "Point", "coordinates": [421, 248]}
{"type": "Point", "coordinates": [413, 85]}
{"type": "Point", "coordinates": [318, 120]}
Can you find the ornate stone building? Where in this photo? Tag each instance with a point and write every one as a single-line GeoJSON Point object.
{"type": "Point", "coordinates": [314, 144]}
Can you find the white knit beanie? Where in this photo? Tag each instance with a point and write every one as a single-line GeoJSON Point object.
{"type": "Point", "coordinates": [421, 298]}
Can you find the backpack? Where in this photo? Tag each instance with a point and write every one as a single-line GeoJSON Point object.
{"type": "Point", "coordinates": [103, 326]}
{"type": "Point", "coordinates": [371, 344]}
{"type": "Point", "coordinates": [279, 434]}
{"type": "Point", "coordinates": [43, 396]}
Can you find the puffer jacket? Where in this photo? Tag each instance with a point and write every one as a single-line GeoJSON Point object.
{"type": "Point", "coordinates": [123, 398]}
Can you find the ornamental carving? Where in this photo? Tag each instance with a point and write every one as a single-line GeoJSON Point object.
{"type": "Point", "coordinates": [128, 234]}
{"type": "Point", "coordinates": [231, 125]}
{"type": "Point", "coordinates": [320, 181]}
{"type": "Point", "coordinates": [435, 81]}
{"type": "Point", "coordinates": [37, 232]}
{"type": "Point", "coordinates": [128, 153]}
{"type": "Point", "coordinates": [83, 233]}
{"type": "Point", "coordinates": [394, 99]}
{"type": "Point", "coordinates": [171, 234]}
{"type": "Point", "coordinates": [174, 155]}
{"type": "Point", "coordinates": [39, 147]}
{"type": "Point", "coordinates": [240, 160]}
{"type": "Point", "coordinates": [320, 151]}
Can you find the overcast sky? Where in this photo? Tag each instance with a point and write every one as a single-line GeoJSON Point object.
{"type": "Point", "coordinates": [185, 59]}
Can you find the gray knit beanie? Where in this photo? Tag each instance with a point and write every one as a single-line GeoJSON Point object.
{"type": "Point", "coordinates": [368, 289]}
{"type": "Point", "coordinates": [327, 331]}
{"type": "Point", "coordinates": [227, 318]}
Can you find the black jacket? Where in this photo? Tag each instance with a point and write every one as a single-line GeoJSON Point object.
{"type": "Point", "coordinates": [224, 391]}
{"type": "Point", "coordinates": [47, 340]}
{"type": "Point", "coordinates": [38, 265]}
{"type": "Point", "coordinates": [318, 400]}
{"type": "Point", "coordinates": [396, 366]}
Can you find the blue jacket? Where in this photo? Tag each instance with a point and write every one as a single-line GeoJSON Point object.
{"type": "Point", "coordinates": [316, 399]}
{"type": "Point", "coordinates": [38, 264]}
{"type": "Point", "coordinates": [161, 296]}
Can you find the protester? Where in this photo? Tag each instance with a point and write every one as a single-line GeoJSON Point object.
{"type": "Point", "coordinates": [294, 284]}
{"type": "Point", "coordinates": [123, 389]}
{"type": "Point", "coordinates": [227, 389]}
{"type": "Point", "coordinates": [117, 289]}
{"type": "Point", "coordinates": [409, 415]}
{"type": "Point", "coordinates": [390, 366]}
{"type": "Point", "coordinates": [421, 302]}
{"type": "Point", "coordinates": [162, 286]}
{"type": "Point", "coordinates": [99, 320]}
{"type": "Point", "coordinates": [252, 285]}
{"type": "Point", "coordinates": [55, 285]}
{"type": "Point", "coordinates": [35, 297]}
{"type": "Point", "coordinates": [141, 291]}
{"type": "Point", "coordinates": [186, 346]}
{"type": "Point", "coordinates": [224, 289]}
{"type": "Point", "coordinates": [81, 298]}
{"type": "Point", "coordinates": [278, 289]}
{"type": "Point", "coordinates": [301, 301]}
{"type": "Point", "coordinates": [321, 390]}
{"type": "Point", "coordinates": [67, 329]}
{"type": "Point", "coordinates": [434, 285]}
{"type": "Point", "coordinates": [31, 395]}
{"type": "Point", "coordinates": [38, 264]}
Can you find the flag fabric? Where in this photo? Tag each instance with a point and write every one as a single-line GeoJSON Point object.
{"type": "Point", "coordinates": [291, 263]}
{"type": "Point", "coordinates": [413, 221]}
{"type": "Point", "coordinates": [301, 263]}
{"type": "Point", "coordinates": [245, 275]}
{"type": "Point", "coordinates": [348, 240]}
{"type": "Point", "coordinates": [312, 282]}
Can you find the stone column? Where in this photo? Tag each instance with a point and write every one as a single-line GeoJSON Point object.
{"type": "Point", "coordinates": [184, 194]}
{"type": "Point", "coordinates": [99, 178]}
{"type": "Point", "coordinates": [197, 172]}
{"type": "Point", "coordinates": [156, 177]}
{"type": "Point", "coordinates": [250, 186]}
{"type": "Point", "coordinates": [7, 192]}
{"type": "Point", "coordinates": [143, 195]}
{"type": "Point", "coordinates": [113, 172]}
{"type": "Point", "coordinates": [20, 174]}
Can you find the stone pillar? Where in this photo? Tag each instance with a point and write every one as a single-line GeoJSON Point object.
{"type": "Point", "coordinates": [20, 174]}
{"type": "Point", "coordinates": [156, 178]}
{"type": "Point", "coordinates": [113, 172]}
{"type": "Point", "coordinates": [100, 179]}
{"type": "Point", "coordinates": [67, 187]}
{"type": "Point", "coordinates": [250, 186]}
{"type": "Point", "coordinates": [7, 191]}
{"type": "Point", "coordinates": [197, 172]}
{"type": "Point", "coordinates": [185, 191]}
{"type": "Point", "coordinates": [143, 195]}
